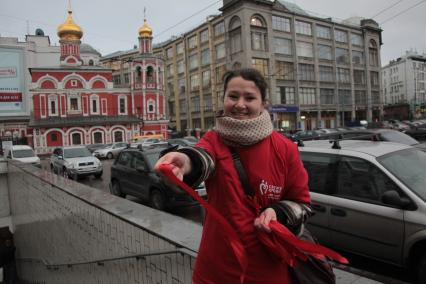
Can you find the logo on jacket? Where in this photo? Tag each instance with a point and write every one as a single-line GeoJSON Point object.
{"type": "Point", "coordinates": [271, 191]}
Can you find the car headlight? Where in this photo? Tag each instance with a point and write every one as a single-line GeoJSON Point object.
{"type": "Point", "coordinates": [69, 165]}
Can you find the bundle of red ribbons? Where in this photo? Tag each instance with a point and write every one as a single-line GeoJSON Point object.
{"type": "Point", "coordinates": [281, 242]}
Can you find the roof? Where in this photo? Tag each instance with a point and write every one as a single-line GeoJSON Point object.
{"type": "Point", "coordinates": [87, 48]}
{"type": "Point", "coordinates": [372, 148]}
{"type": "Point", "coordinates": [293, 8]}
{"type": "Point", "coordinates": [120, 53]}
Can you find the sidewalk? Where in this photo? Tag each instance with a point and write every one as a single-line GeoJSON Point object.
{"type": "Point", "coordinates": [350, 275]}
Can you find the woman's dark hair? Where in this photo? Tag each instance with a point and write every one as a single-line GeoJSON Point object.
{"type": "Point", "coordinates": [249, 74]}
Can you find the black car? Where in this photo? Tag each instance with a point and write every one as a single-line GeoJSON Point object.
{"type": "Point", "coordinates": [133, 173]}
{"type": "Point", "coordinates": [417, 131]}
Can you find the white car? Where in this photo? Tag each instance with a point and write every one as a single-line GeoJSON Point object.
{"type": "Point", "coordinates": [147, 142]}
{"type": "Point", "coordinates": [74, 162]}
{"type": "Point", "coordinates": [23, 153]}
{"type": "Point", "coordinates": [110, 150]}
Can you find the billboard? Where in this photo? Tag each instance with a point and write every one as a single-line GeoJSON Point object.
{"type": "Point", "coordinates": [12, 78]}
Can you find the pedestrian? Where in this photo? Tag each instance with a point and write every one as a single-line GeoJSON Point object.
{"type": "Point", "coordinates": [275, 174]}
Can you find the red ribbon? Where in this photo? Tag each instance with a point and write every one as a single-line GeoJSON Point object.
{"type": "Point", "coordinates": [280, 242]}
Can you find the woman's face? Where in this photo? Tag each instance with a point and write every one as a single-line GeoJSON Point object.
{"type": "Point", "coordinates": [242, 99]}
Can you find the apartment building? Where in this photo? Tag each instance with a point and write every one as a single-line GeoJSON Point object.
{"type": "Point", "coordinates": [403, 86]}
{"type": "Point", "coordinates": [321, 73]}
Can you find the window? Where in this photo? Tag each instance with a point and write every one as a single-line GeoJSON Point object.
{"type": "Point", "coordinates": [321, 171]}
{"type": "Point", "coordinates": [219, 29]}
{"type": "Point", "coordinates": [97, 137]}
{"type": "Point", "coordinates": [195, 104]}
{"type": "Point", "coordinates": [122, 105]}
{"type": "Point", "coordinates": [220, 50]}
{"type": "Point", "coordinates": [342, 56]}
{"type": "Point", "coordinates": [282, 46]}
{"type": "Point", "coordinates": [126, 78]}
{"type": "Point", "coordinates": [359, 77]}
{"type": "Point", "coordinates": [206, 78]}
{"type": "Point", "coordinates": [76, 139]}
{"type": "Point", "coordinates": [74, 104]}
{"type": "Point", "coordinates": [345, 97]}
{"type": "Point", "coordinates": [323, 32]}
{"type": "Point", "coordinates": [151, 106]}
{"type": "Point", "coordinates": [256, 21]}
{"type": "Point", "coordinates": [179, 48]}
{"type": "Point", "coordinates": [170, 70]}
{"type": "Point", "coordinates": [204, 36]}
{"type": "Point", "coordinates": [343, 75]}
{"type": "Point", "coordinates": [307, 96]}
{"type": "Point", "coordinates": [258, 40]}
{"type": "Point", "coordinates": [356, 39]}
{"type": "Point", "coordinates": [372, 51]}
{"type": "Point", "coordinates": [54, 137]}
{"type": "Point", "coordinates": [192, 41]}
{"type": "Point", "coordinates": [74, 83]}
{"type": "Point", "coordinates": [305, 49]}
{"type": "Point", "coordinates": [235, 40]}
{"type": "Point", "coordinates": [118, 136]}
{"type": "Point", "coordinates": [374, 79]}
{"type": "Point", "coordinates": [281, 24]}
{"type": "Point", "coordinates": [327, 96]}
{"type": "Point", "coordinates": [53, 105]}
{"type": "Point", "coordinates": [182, 106]}
{"type": "Point", "coordinates": [306, 72]}
{"type": "Point", "coordinates": [286, 95]}
{"type": "Point", "coordinates": [358, 57]}
{"type": "Point", "coordinates": [150, 74]}
{"type": "Point", "coordinates": [91, 62]}
{"type": "Point", "coordinates": [193, 61]}
{"type": "Point", "coordinates": [375, 97]}
{"type": "Point", "coordinates": [116, 79]}
{"type": "Point", "coordinates": [284, 70]}
{"type": "Point", "coordinates": [220, 71]}
{"type": "Point", "coordinates": [261, 65]}
{"type": "Point", "coordinates": [124, 159]}
{"type": "Point", "coordinates": [303, 28]}
{"type": "Point", "coordinates": [360, 97]}
{"type": "Point", "coordinates": [181, 83]}
{"type": "Point", "coordinates": [194, 82]}
{"type": "Point", "coordinates": [205, 56]}
{"type": "Point", "coordinates": [341, 36]}
{"type": "Point", "coordinates": [94, 104]}
{"type": "Point", "coordinates": [169, 52]}
{"type": "Point", "coordinates": [180, 66]}
{"type": "Point", "coordinates": [326, 73]}
{"type": "Point", "coordinates": [324, 52]}
{"type": "Point", "coordinates": [208, 105]}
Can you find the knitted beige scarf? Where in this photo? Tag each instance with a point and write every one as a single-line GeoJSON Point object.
{"type": "Point", "coordinates": [237, 132]}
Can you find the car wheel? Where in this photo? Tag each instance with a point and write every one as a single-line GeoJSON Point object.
{"type": "Point", "coordinates": [110, 155]}
{"type": "Point", "coordinates": [116, 189]}
{"type": "Point", "coordinates": [98, 175]}
{"type": "Point", "coordinates": [157, 199]}
{"type": "Point", "coordinates": [65, 173]}
{"type": "Point", "coordinates": [421, 270]}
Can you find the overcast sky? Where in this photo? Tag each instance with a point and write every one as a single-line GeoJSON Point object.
{"type": "Point", "coordinates": [111, 27]}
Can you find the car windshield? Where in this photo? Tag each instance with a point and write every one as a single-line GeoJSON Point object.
{"type": "Point", "coordinates": [398, 137]}
{"type": "Point", "coordinates": [76, 152]}
{"type": "Point", "coordinates": [24, 153]}
{"type": "Point", "coordinates": [409, 166]}
{"type": "Point", "coordinates": [106, 146]}
{"type": "Point", "coordinates": [152, 158]}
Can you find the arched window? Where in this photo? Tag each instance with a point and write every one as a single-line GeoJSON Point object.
{"type": "Point", "coordinates": [256, 21]}
{"type": "Point", "coordinates": [118, 136]}
{"type": "Point", "coordinates": [150, 74]}
{"type": "Point", "coordinates": [97, 137]}
{"type": "Point", "coordinates": [91, 63]}
{"type": "Point", "coordinates": [138, 74]}
{"type": "Point", "coordinates": [235, 35]}
{"type": "Point", "coordinates": [76, 138]}
{"type": "Point", "coordinates": [151, 106]}
{"type": "Point", "coordinates": [234, 23]}
{"type": "Point", "coordinates": [373, 53]}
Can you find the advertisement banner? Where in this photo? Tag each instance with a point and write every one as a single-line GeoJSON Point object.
{"type": "Point", "coordinates": [12, 78]}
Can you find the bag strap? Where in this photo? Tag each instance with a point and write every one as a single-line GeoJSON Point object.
{"type": "Point", "coordinates": [241, 172]}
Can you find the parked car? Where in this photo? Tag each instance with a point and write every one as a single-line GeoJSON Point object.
{"type": "Point", "coordinates": [369, 199]}
{"type": "Point", "coordinates": [146, 142]}
{"type": "Point", "coordinates": [132, 173]}
{"type": "Point", "coordinates": [93, 147]}
{"type": "Point", "coordinates": [417, 131]}
{"type": "Point", "coordinates": [110, 151]}
{"type": "Point", "coordinates": [306, 135]}
{"type": "Point", "coordinates": [74, 162]}
{"type": "Point", "coordinates": [23, 153]}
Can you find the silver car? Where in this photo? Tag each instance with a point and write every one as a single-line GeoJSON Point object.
{"type": "Point", "coordinates": [74, 162]}
{"type": "Point", "coordinates": [369, 199]}
{"type": "Point", "coordinates": [110, 151]}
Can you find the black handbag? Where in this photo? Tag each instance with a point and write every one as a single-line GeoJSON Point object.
{"type": "Point", "coordinates": [311, 271]}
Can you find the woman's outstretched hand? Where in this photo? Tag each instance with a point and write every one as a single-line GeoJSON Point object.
{"type": "Point", "coordinates": [180, 163]}
{"type": "Point", "coordinates": [262, 222]}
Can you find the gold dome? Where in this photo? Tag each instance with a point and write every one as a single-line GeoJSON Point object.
{"type": "Point", "coordinates": [69, 30]}
{"type": "Point", "coordinates": [145, 30]}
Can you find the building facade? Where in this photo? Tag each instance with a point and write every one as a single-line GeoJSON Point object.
{"type": "Point", "coordinates": [404, 87]}
{"type": "Point", "coordinates": [321, 73]}
{"type": "Point", "coordinates": [75, 102]}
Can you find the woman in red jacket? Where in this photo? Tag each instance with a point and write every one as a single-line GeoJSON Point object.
{"type": "Point", "coordinates": [276, 176]}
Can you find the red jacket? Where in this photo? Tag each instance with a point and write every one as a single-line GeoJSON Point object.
{"type": "Point", "coordinates": [275, 172]}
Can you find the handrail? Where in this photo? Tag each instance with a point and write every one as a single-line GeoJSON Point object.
{"type": "Point", "coordinates": [55, 266]}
